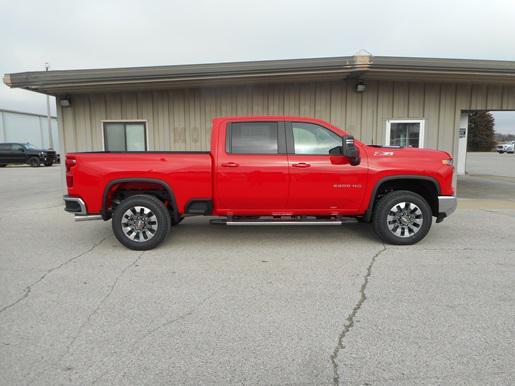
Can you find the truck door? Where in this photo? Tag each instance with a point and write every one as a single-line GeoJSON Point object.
{"type": "Point", "coordinates": [321, 183]}
{"type": "Point", "coordinates": [18, 153]}
{"type": "Point", "coordinates": [252, 169]}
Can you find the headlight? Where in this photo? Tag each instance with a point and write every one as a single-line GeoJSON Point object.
{"type": "Point", "coordinates": [42, 154]}
{"type": "Point", "coordinates": [449, 161]}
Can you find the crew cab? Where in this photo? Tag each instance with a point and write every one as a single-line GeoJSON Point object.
{"type": "Point", "coordinates": [264, 170]}
{"type": "Point", "coordinates": [25, 153]}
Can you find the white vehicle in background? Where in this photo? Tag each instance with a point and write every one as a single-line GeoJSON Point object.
{"type": "Point", "coordinates": [506, 147]}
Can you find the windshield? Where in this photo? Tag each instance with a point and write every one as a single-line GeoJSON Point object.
{"type": "Point", "coordinates": [30, 146]}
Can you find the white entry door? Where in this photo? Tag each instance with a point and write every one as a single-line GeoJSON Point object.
{"type": "Point", "coordinates": [405, 132]}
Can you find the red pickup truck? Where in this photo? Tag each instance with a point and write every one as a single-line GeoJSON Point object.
{"type": "Point", "coordinates": [275, 170]}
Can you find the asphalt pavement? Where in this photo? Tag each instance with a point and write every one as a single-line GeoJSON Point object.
{"type": "Point", "coordinates": [251, 305]}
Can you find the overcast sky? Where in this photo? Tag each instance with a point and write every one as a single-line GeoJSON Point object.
{"type": "Point", "coordinates": [91, 34]}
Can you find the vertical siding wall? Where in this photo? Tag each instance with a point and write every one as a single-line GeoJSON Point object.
{"type": "Point", "coordinates": [180, 119]}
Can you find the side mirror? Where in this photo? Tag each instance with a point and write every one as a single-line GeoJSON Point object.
{"type": "Point", "coordinates": [350, 150]}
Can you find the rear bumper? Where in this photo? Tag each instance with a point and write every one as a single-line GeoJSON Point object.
{"type": "Point", "coordinates": [446, 206]}
{"type": "Point", "coordinates": [77, 206]}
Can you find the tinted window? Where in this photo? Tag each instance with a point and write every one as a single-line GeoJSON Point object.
{"type": "Point", "coordinates": [313, 139]}
{"type": "Point", "coordinates": [16, 147]}
{"type": "Point", "coordinates": [253, 138]}
{"type": "Point", "coordinates": [5, 146]}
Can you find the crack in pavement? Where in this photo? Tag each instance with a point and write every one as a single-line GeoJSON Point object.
{"type": "Point", "coordinates": [180, 317]}
{"type": "Point", "coordinates": [99, 305]}
{"type": "Point", "coordinates": [28, 289]}
{"type": "Point", "coordinates": [91, 314]}
{"type": "Point", "coordinates": [349, 321]}
{"type": "Point", "coordinates": [157, 328]}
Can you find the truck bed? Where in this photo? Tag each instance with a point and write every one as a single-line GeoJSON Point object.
{"type": "Point", "coordinates": [188, 174]}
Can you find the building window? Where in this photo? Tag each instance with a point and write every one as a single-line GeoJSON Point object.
{"type": "Point", "coordinates": [125, 136]}
{"type": "Point", "coordinates": [405, 132]}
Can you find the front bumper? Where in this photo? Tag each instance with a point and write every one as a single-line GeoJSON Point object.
{"type": "Point", "coordinates": [49, 157]}
{"type": "Point", "coordinates": [446, 206]}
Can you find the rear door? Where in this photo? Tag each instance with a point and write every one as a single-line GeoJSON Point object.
{"type": "Point", "coordinates": [18, 153]}
{"type": "Point", "coordinates": [321, 183]}
{"type": "Point", "coordinates": [252, 169]}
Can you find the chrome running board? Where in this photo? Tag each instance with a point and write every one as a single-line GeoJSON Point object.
{"type": "Point", "coordinates": [88, 217]}
{"type": "Point", "coordinates": [339, 222]}
{"type": "Point", "coordinates": [249, 222]}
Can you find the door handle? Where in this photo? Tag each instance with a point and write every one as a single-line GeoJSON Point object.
{"type": "Point", "coordinates": [230, 165]}
{"type": "Point", "coordinates": [301, 165]}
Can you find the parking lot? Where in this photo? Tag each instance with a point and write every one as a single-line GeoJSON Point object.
{"type": "Point", "coordinates": [255, 305]}
{"type": "Point", "coordinates": [491, 163]}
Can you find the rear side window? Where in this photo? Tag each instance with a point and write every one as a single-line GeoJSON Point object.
{"type": "Point", "coordinates": [16, 147]}
{"type": "Point", "coordinates": [5, 146]}
{"type": "Point", "coordinates": [253, 138]}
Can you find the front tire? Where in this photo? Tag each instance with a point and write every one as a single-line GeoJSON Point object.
{"type": "Point", "coordinates": [402, 218]}
{"type": "Point", "coordinates": [35, 162]}
{"type": "Point", "coordinates": [48, 163]}
{"type": "Point", "coordinates": [141, 222]}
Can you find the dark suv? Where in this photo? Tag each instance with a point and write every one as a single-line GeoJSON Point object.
{"type": "Point", "coordinates": [25, 153]}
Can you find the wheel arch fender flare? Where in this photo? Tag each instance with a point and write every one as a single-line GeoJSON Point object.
{"type": "Point", "coordinates": [105, 212]}
{"type": "Point", "coordinates": [370, 209]}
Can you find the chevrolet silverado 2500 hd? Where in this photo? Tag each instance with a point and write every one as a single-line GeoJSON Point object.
{"type": "Point", "coordinates": [264, 170]}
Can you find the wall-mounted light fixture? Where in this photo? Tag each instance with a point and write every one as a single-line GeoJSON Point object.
{"type": "Point", "coordinates": [65, 102]}
{"type": "Point", "coordinates": [361, 86]}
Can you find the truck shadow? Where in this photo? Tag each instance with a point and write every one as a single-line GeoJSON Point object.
{"type": "Point", "coordinates": [198, 231]}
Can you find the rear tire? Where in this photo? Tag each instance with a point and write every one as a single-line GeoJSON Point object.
{"type": "Point", "coordinates": [141, 222]}
{"type": "Point", "coordinates": [3, 165]}
{"type": "Point", "coordinates": [402, 218]}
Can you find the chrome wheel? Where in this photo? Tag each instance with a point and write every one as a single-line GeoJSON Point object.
{"type": "Point", "coordinates": [404, 219]}
{"type": "Point", "coordinates": [139, 223]}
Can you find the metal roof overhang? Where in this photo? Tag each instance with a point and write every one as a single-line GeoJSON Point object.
{"type": "Point", "coordinates": [217, 74]}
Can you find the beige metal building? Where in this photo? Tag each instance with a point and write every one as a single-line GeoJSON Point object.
{"type": "Point", "coordinates": [382, 100]}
